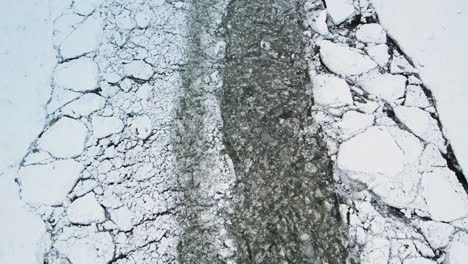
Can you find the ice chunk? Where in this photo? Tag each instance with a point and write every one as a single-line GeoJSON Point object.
{"type": "Point", "coordinates": [401, 65]}
{"type": "Point", "coordinates": [344, 60]}
{"type": "Point", "coordinates": [125, 21]}
{"type": "Point", "coordinates": [142, 19]}
{"type": "Point", "coordinates": [445, 198]}
{"type": "Point", "coordinates": [142, 127]}
{"type": "Point", "coordinates": [379, 53]}
{"type": "Point", "coordinates": [422, 124]}
{"type": "Point", "coordinates": [319, 23]}
{"type": "Point", "coordinates": [85, 105]}
{"type": "Point", "coordinates": [83, 40]}
{"type": "Point", "coordinates": [122, 217]}
{"type": "Point", "coordinates": [86, 210]}
{"type": "Point", "coordinates": [77, 75]}
{"type": "Point", "coordinates": [340, 10]}
{"type": "Point", "coordinates": [138, 69]}
{"type": "Point", "coordinates": [84, 247]}
{"type": "Point", "coordinates": [85, 7]}
{"type": "Point", "coordinates": [431, 157]}
{"type": "Point", "coordinates": [457, 253]}
{"type": "Point", "coordinates": [437, 234]}
{"type": "Point", "coordinates": [373, 152]}
{"type": "Point", "coordinates": [371, 33]}
{"type": "Point", "coordinates": [376, 251]}
{"type": "Point", "coordinates": [331, 91]}
{"type": "Point", "coordinates": [415, 96]}
{"type": "Point", "coordinates": [64, 139]}
{"type": "Point", "coordinates": [106, 126]}
{"type": "Point", "coordinates": [386, 86]}
{"type": "Point", "coordinates": [353, 123]}
{"type": "Point", "coordinates": [48, 184]}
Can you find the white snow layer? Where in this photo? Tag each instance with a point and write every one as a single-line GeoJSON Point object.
{"type": "Point", "coordinates": [65, 138]}
{"type": "Point", "coordinates": [48, 184]}
{"type": "Point", "coordinates": [356, 63]}
{"type": "Point", "coordinates": [28, 58]}
{"type": "Point", "coordinates": [440, 50]}
{"type": "Point", "coordinates": [24, 234]}
{"type": "Point", "coordinates": [340, 10]}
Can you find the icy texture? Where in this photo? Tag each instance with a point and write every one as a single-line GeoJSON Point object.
{"type": "Point", "coordinates": [48, 184]}
{"type": "Point", "coordinates": [422, 124]}
{"type": "Point", "coordinates": [106, 126]}
{"type": "Point", "coordinates": [24, 237]}
{"type": "Point", "coordinates": [77, 75]}
{"type": "Point", "coordinates": [83, 246]}
{"type": "Point", "coordinates": [85, 105]}
{"type": "Point", "coordinates": [86, 210]}
{"type": "Point", "coordinates": [379, 53]}
{"type": "Point", "coordinates": [441, 52]}
{"type": "Point", "coordinates": [82, 40]}
{"type": "Point", "coordinates": [386, 86]}
{"type": "Point", "coordinates": [356, 63]}
{"type": "Point", "coordinates": [331, 91]}
{"type": "Point", "coordinates": [65, 138]}
{"type": "Point", "coordinates": [371, 33]}
{"type": "Point", "coordinates": [340, 10]}
{"type": "Point", "coordinates": [373, 152]}
{"type": "Point", "coordinates": [445, 200]}
{"type": "Point", "coordinates": [138, 69]}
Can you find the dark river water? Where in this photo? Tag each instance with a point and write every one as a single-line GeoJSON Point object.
{"type": "Point", "coordinates": [283, 207]}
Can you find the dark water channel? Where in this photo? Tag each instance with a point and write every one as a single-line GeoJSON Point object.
{"type": "Point", "coordinates": [284, 206]}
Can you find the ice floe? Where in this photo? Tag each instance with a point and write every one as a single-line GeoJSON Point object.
{"type": "Point", "coordinates": [65, 138]}
{"type": "Point", "coordinates": [48, 184]}
{"type": "Point", "coordinates": [332, 55]}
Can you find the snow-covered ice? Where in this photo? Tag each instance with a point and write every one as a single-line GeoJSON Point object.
{"type": "Point", "coordinates": [106, 126]}
{"type": "Point", "coordinates": [457, 253]}
{"type": "Point", "coordinates": [440, 50]}
{"type": "Point", "coordinates": [139, 69]}
{"type": "Point", "coordinates": [386, 86]}
{"type": "Point", "coordinates": [78, 75]}
{"type": "Point", "coordinates": [331, 91]}
{"type": "Point", "coordinates": [85, 7]}
{"type": "Point", "coordinates": [86, 210]}
{"type": "Point", "coordinates": [84, 106]}
{"type": "Point", "coordinates": [48, 184]}
{"type": "Point", "coordinates": [369, 154]}
{"type": "Point", "coordinates": [422, 124]}
{"type": "Point", "coordinates": [436, 233]}
{"type": "Point", "coordinates": [379, 53]}
{"type": "Point", "coordinates": [445, 200]}
{"type": "Point", "coordinates": [85, 246]}
{"type": "Point", "coordinates": [142, 127]}
{"type": "Point", "coordinates": [122, 217]}
{"type": "Point", "coordinates": [24, 238]}
{"type": "Point", "coordinates": [354, 122]}
{"type": "Point", "coordinates": [319, 23]}
{"type": "Point", "coordinates": [340, 10]}
{"type": "Point", "coordinates": [332, 55]}
{"type": "Point", "coordinates": [65, 138]}
{"type": "Point", "coordinates": [371, 33]}
{"type": "Point", "coordinates": [82, 40]}
{"type": "Point", "coordinates": [416, 97]}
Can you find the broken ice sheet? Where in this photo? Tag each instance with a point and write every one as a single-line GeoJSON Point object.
{"type": "Point", "coordinates": [48, 184]}
{"type": "Point", "coordinates": [86, 210]}
{"type": "Point", "coordinates": [77, 75]}
{"type": "Point", "coordinates": [332, 55]}
{"type": "Point", "coordinates": [65, 138]}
